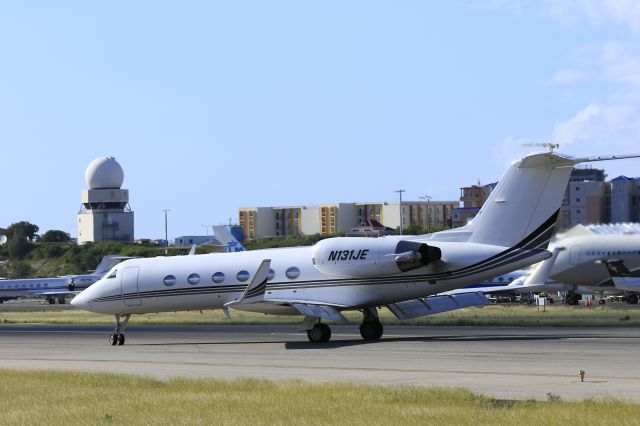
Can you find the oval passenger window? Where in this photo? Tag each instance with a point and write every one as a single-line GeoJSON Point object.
{"type": "Point", "coordinates": [293, 273]}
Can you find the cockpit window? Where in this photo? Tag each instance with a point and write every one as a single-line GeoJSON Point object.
{"type": "Point", "coordinates": [112, 274]}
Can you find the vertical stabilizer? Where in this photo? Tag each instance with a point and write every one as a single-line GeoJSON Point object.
{"type": "Point", "coordinates": [523, 208]}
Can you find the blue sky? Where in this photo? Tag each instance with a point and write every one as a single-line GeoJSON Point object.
{"type": "Point", "coordinates": [210, 106]}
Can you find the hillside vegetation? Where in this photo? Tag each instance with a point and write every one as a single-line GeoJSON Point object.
{"type": "Point", "coordinates": [54, 259]}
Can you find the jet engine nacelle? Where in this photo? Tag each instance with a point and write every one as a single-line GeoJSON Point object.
{"type": "Point", "coordinates": [369, 257]}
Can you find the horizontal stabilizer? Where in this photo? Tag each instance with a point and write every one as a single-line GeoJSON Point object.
{"type": "Point", "coordinates": [436, 304]}
{"type": "Point", "coordinates": [328, 313]}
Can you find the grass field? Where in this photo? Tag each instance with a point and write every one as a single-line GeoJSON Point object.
{"type": "Point", "coordinates": [494, 315]}
{"type": "Point", "coordinates": [63, 398]}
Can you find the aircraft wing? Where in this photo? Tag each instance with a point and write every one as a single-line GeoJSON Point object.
{"type": "Point", "coordinates": [56, 293]}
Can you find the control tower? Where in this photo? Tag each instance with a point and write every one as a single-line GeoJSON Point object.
{"type": "Point", "coordinates": [105, 214]}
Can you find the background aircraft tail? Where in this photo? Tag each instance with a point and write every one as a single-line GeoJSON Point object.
{"type": "Point", "coordinates": [226, 238]}
{"type": "Point", "coordinates": [109, 262]}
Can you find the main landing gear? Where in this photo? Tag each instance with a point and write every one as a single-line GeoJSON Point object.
{"type": "Point", "coordinates": [319, 333]}
{"type": "Point", "coordinates": [370, 328]}
{"type": "Point", "coordinates": [117, 338]}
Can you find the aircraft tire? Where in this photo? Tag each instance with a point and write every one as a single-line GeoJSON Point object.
{"type": "Point", "coordinates": [320, 333]}
{"type": "Point", "coordinates": [120, 339]}
{"type": "Point", "coordinates": [632, 299]}
{"type": "Point", "coordinates": [113, 339]}
{"type": "Point", "coordinates": [51, 301]}
{"type": "Point", "coordinates": [371, 330]}
{"type": "Point", "coordinates": [573, 300]}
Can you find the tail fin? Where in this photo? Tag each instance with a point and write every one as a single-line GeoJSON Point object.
{"type": "Point", "coordinates": [109, 262]}
{"type": "Point", "coordinates": [523, 208]}
{"type": "Point", "coordinates": [226, 238]}
{"type": "Point", "coordinates": [540, 274]}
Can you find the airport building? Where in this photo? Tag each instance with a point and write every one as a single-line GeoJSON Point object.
{"type": "Point", "coordinates": [341, 218]}
{"type": "Point", "coordinates": [105, 214]}
{"type": "Point", "coordinates": [625, 197]}
{"type": "Point", "coordinates": [472, 198]}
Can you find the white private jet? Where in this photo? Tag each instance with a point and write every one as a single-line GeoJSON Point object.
{"type": "Point", "coordinates": [511, 231]}
{"type": "Point", "coordinates": [56, 288]}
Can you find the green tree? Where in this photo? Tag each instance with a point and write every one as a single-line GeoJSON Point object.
{"type": "Point", "coordinates": [28, 230]}
{"type": "Point", "coordinates": [55, 236]}
{"type": "Point", "coordinates": [18, 245]}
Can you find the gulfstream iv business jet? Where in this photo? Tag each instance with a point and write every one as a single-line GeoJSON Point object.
{"type": "Point", "coordinates": [511, 231]}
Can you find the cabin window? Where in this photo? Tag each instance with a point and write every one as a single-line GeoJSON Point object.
{"type": "Point", "coordinates": [193, 279]}
{"type": "Point", "coordinates": [218, 277]}
{"type": "Point", "coordinates": [293, 273]}
{"type": "Point", "coordinates": [169, 280]}
{"type": "Point", "coordinates": [271, 275]}
{"type": "Point", "coordinates": [113, 274]}
{"type": "Point", "coordinates": [242, 276]}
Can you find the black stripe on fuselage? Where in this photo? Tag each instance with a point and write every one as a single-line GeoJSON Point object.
{"type": "Point", "coordinates": [528, 247]}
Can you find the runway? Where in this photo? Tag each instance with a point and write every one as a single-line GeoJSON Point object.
{"type": "Point", "coordinates": [509, 363]}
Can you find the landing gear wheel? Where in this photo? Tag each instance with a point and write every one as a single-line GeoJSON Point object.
{"type": "Point", "coordinates": [320, 333]}
{"type": "Point", "coordinates": [117, 338]}
{"type": "Point", "coordinates": [573, 299]}
{"type": "Point", "coordinates": [602, 302]}
{"type": "Point", "coordinates": [371, 330]}
{"type": "Point", "coordinates": [632, 299]}
{"type": "Point", "coordinates": [113, 339]}
{"type": "Point", "coordinates": [51, 301]}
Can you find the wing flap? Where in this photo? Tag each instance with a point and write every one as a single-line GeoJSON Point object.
{"type": "Point", "coordinates": [436, 304]}
{"type": "Point", "coordinates": [320, 311]}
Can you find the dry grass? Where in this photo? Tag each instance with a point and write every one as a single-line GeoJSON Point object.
{"type": "Point", "coordinates": [494, 315]}
{"type": "Point", "coordinates": [61, 398]}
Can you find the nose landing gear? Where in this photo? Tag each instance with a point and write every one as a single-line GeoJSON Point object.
{"type": "Point", "coordinates": [117, 338]}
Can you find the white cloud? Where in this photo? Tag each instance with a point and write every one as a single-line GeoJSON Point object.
{"type": "Point", "coordinates": [621, 12]}
{"type": "Point", "coordinates": [596, 129]}
{"type": "Point", "coordinates": [577, 127]}
{"type": "Point", "coordinates": [566, 76]}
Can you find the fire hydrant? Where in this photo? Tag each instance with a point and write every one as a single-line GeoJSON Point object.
{"type": "Point", "coordinates": [581, 375]}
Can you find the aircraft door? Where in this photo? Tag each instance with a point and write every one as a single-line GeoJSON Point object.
{"type": "Point", "coordinates": [129, 286]}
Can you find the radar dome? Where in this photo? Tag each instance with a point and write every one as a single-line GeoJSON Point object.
{"type": "Point", "coordinates": [104, 173]}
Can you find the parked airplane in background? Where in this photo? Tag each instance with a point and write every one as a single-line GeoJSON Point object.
{"type": "Point", "coordinates": [511, 231]}
{"type": "Point", "coordinates": [580, 266]}
{"type": "Point", "coordinates": [56, 288]}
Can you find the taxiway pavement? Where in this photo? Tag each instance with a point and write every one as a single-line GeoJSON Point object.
{"type": "Point", "coordinates": [509, 363]}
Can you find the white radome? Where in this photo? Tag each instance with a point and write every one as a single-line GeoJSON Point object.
{"type": "Point", "coordinates": [104, 173]}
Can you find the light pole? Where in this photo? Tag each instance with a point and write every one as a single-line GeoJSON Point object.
{"type": "Point", "coordinates": [400, 191]}
{"type": "Point", "coordinates": [166, 233]}
{"type": "Point", "coordinates": [428, 198]}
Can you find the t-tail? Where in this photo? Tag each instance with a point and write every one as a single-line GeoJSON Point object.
{"type": "Point", "coordinates": [523, 208]}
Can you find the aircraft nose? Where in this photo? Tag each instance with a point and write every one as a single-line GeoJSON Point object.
{"type": "Point", "coordinates": [80, 301]}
